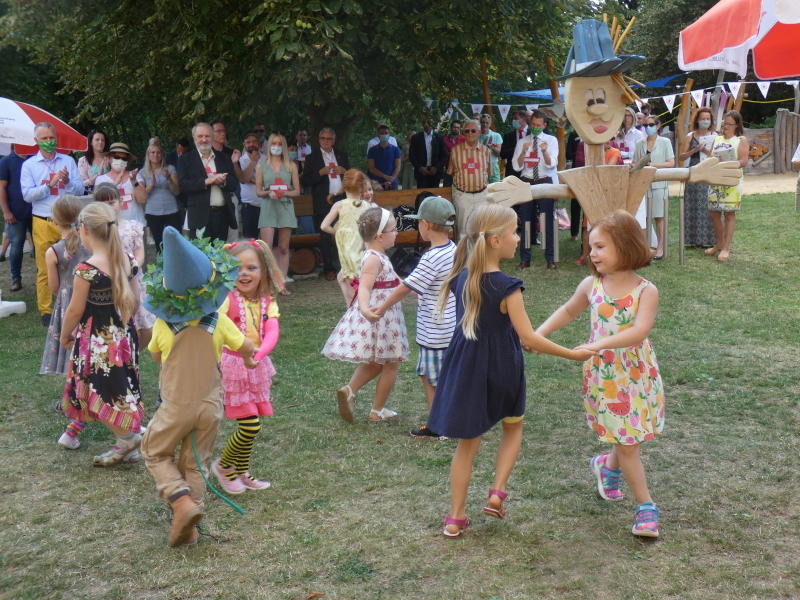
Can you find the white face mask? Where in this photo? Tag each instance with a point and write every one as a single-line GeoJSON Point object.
{"type": "Point", "coordinates": [118, 164]}
{"type": "Point", "coordinates": [276, 150]}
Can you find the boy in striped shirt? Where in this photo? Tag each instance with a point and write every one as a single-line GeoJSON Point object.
{"type": "Point", "coordinates": [436, 217]}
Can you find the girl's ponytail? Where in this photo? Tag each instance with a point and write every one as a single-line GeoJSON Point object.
{"type": "Point", "coordinates": [66, 211]}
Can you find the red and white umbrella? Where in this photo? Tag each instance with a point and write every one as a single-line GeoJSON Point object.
{"type": "Point", "coordinates": [723, 37]}
{"type": "Point", "coordinates": [17, 120]}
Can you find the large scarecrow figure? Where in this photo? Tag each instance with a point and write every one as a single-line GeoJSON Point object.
{"type": "Point", "coordinates": [595, 99]}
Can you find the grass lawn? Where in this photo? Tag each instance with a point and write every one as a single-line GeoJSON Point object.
{"type": "Point", "coordinates": [355, 510]}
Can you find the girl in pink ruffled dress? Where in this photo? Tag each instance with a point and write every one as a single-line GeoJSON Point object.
{"type": "Point", "coordinates": [252, 308]}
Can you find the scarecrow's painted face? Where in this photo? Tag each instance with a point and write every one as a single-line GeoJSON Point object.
{"type": "Point", "coordinates": [595, 107]}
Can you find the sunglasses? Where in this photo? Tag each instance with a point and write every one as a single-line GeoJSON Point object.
{"type": "Point", "coordinates": [470, 131]}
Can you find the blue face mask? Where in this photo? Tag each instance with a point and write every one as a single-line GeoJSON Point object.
{"type": "Point", "coordinates": [515, 123]}
{"type": "Point", "coordinates": [384, 138]}
{"type": "Point", "coordinates": [651, 129]}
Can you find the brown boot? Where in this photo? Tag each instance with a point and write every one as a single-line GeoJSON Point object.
{"type": "Point", "coordinates": [185, 515]}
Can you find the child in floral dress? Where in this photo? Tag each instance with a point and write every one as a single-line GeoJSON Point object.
{"type": "Point", "coordinates": [623, 393]}
{"type": "Point", "coordinates": [379, 343]}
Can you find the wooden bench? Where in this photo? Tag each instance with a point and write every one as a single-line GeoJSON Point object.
{"type": "Point", "coordinates": [305, 246]}
{"type": "Point", "coordinates": [303, 207]}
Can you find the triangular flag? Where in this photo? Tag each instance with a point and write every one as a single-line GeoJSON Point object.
{"type": "Point", "coordinates": [476, 109]}
{"type": "Point", "coordinates": [454, 102]}
{"type": "Point", "coordinates": [532, 106]}
{"type": "Point", "coordinates": [428, 102]}
{"type": "Point", "coordinates": [669, 101]}
{"type": "Point", "coordinates": [449, 112]}
{"type": "Point", "coordinates": [504, 109]}
{"type": "Point", "coordinates": [764, 87]}
{"type": "Point", "coordinates": [639, 104]}
{"type": "Point", "coordinates": [734, 87]}
{"type": "Point", "coordinates": [793, 83]}
{"type": "Point", "coordinates": [697, 96]}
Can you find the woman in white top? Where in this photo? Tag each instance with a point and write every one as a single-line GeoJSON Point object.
{"type": "Point", "coordinates": [628, 136]}
{"type": "Point", "coordinates": [661, 157]}
{"type": "Point", "coordinates": [124, 181]}
{"type": "Point", "coordinates": [158, 190]}
{"type": "Point", "coordinates": [96, 161]}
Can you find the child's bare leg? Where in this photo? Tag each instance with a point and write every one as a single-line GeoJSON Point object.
{"type": "Point", "coordinates": [385, 384]}
{"type": "Point", "coordinates": [430, 390]}
{"type": "Point", "coordinates": [507, 455]}
{"type": "Point", "coordinates": [363, 374]}
{"type": "Point", "coordinates": [629, 459]}
{"type": "Point", "coordinates": [347, 290]}
{"type": "Point", "coordinates": [144, 337]}
{"type": "Point", "coordinates": [460, 475]}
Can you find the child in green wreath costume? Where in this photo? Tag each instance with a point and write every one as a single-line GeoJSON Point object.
{"type": "Point", "coordinates": [184, 290]}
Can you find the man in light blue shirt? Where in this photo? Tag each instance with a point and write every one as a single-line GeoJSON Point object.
{"type": "Point", "coordinates": [493, 141]}
{"type": "Point", "coordinates": [44, 177]}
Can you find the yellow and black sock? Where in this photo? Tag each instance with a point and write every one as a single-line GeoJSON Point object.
{"type": "Point", "coordinates": [239, 447]}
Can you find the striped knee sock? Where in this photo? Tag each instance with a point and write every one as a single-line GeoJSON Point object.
{"type": "Point", "coordinates": [74, 428]}
{"type": "Point", "coordinates": [236, 453]}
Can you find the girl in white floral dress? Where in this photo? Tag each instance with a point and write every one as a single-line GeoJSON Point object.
{"type": "Point", "coordinates": [379, 343]}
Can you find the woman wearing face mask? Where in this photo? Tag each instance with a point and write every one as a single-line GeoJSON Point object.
{"type": "Point", "coordinates": [696, 146]}
{"type": "Point", "coordinates": [157, 190]}
{"type": "Point", "coordinates": [277, 182]}
{"type": "Point", "coordinates": [125, 181]}
{"type": "Point", "coordinates": [96, 161]}
{"type": "Point", "coordinates": [661, 157]}
{"type": "Point", "coordinates": [725, 201]}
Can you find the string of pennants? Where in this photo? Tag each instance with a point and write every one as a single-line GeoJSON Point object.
{"type": "Point", "coordinates": [701, 97]}
{"type": "Point", "coordinates": [477, 109]}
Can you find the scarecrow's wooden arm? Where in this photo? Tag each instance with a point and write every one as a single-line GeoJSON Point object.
{"type": "Point", "coordinates": [512, 190]}
{"type": "Point", "coordinates": [709, 171]}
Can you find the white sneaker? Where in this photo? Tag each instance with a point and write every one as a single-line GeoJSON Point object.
{"type": "Point", "coordinates": [288, 279]}
{"type": "Point", "coordinates": [69, 442]}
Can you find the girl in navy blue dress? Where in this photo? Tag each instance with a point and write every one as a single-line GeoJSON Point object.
{"type": "Point", "coordinates": [482, 379]}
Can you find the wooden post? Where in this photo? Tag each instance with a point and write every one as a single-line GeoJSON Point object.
{"type": "Point", "coordinates": [682, 131]}
{"type": "Point", "coordinates": [737, 106]}
{"type": "Point", "coordinates": [778, 135]}
{"type": "Point", "coordinates": [796, 87]}
{"type": "Point", "coordinates": [561, 132]}
{"type": "Point", "coordinates": [487, 100]}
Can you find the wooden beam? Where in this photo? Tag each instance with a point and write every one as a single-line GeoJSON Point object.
{"type": "Point", "coordinates": [561, 132]}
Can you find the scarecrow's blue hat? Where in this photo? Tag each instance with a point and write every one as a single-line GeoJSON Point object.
{"type": "Point", "coordinates": [592, 52]}
{"type": "Point", "coordinates": [189, 284]}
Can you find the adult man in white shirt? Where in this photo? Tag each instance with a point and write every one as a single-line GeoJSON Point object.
{"type": "Point", "coordinates": [44, 177]}
{"type": "Point", "coordinates": [536, 158]}
{"type": "Point", "coordinates": [245, 167]}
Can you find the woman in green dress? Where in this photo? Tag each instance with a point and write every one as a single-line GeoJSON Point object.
{"type": "Point", "coordinates": [277, 182]}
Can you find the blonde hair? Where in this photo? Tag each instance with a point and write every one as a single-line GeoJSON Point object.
{"type": "Point", "coordinates": [100, 221]}
{"type": "Point", "coordinates": [288, 163]}
{"type": "Point", "coordinates": [486, 221]}
{"type": "Point", "coordinates": [271, 277]}
{"type": "Point", "coordinates": [147, 170]}
{"type": "Point", "coordinates": [66, 210]}
{"type": "Point", "coordinates": [105, 192]}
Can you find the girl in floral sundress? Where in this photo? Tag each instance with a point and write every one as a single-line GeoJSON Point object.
{"type": "Point", "coordinates": [378, 343]}
{"type": "Point", "coordinates": [623, 394]}
{"type": "Point", "coordinates": [103, 376]}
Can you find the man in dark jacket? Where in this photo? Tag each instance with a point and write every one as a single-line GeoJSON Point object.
{"type": "Point", "coordinates": [427, 154]}
{"type": "Point", "coordinates": [322, 178]}
{"type": "Point", "coordinates": [208, 180]}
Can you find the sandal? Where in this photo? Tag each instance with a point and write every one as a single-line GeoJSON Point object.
{"type": "Point", "coordinates": [118, 453]}
{"type": "Point", "coordinates": [383, 414]}
{"type": "Point", "coordinates": [498, 512]}
{"type": "Point", "coordinates": [711, 251]}
{"type": "Point", "coordinates": [346, 400]}
{"type": "Point", "coordinates": [462, 525]}
{"type": "Point", "coordinates": [724, 256]}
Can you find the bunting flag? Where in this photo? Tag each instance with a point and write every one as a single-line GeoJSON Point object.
{"type": "Point", "coordinates": [669, 101]}
{"type": "Point", "coordinates": [476, 109]}
{"type": "Point", "coordinates": [793, 83]}
{"type": "Point", "coordinates": [638, 104]}
{"type": "Point", "coordinates": [448, 113]}
{"type": "Point", "coordinates": [428, 102]}
{"type": "Point", "coordinates": [532, 106]}
{"type": "Point", "coordinates": [454, 101]}
{"type": "Point", "coordinates": [764, 87]}
{"type": "Point", "coordinates": [734, 87]}
{"type": "Point", "coordinates": [504, 109]}
{"type": "Point", "coordinates": [697, 96]}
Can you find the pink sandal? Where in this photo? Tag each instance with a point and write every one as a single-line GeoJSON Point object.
{"type": "Point", "coordinates": [462, 525]}
{"type": "Point", "coordinates": [500, 512]}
